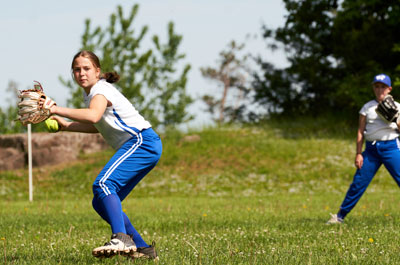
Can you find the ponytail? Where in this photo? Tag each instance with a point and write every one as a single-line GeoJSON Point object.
{"type": "Point", "coordinates": [110, 77]}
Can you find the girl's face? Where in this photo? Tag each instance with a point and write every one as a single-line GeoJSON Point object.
{"type": "Point", "coordinates": [381, 90]}
{"type": "Point", "coordinates": [85, 73]}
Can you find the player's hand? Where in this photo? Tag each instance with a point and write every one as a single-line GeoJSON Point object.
{"type": "Point", "coordinates": [359, 161]}
{"type": "Point", "coordinates": [62, 123]}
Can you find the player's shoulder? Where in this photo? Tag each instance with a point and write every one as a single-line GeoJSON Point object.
{"type": "Point", "coordinates": [396, 102]}
{"type": "Point", "coordinates": [370, 104]}
{"type": "Point", "coordinates": [102, 87]}
{"type": "Point", "coordinates": [102, 84]}
{"type": "Point", "coordinates": [368, 107]}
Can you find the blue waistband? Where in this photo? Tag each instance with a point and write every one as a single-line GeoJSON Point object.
{"type": "Point", "coordinates": [383, 142]}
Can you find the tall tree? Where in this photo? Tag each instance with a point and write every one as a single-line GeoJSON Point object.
{"type": "Point", "coordinates": [333, 52]}
{"type": "Point", "coordinates": [231, 74]}
{"type": "Point", "coordinates": [366, 34]}
{"type": "Point", "coordinates": [169, 99]}
{"type": "Point", "coordinates": [149, 77]}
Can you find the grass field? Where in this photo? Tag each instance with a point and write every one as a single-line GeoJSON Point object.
{"type": "Point", "coordinates": [233, 195]}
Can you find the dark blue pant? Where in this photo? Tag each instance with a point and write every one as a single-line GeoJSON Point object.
{"type": "Point", "coordinates": [375, 154]}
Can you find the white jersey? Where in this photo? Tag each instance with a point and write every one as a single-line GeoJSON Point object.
{"type": "Point", "coordinates": [376, 128]}
{"type": "Point", "coordinates": [120, 121]}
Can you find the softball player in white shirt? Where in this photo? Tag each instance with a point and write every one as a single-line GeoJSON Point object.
{"type": "Point", "coordinates": [382, 147]}
{"type": "Point", "coordinates": [138, 149]}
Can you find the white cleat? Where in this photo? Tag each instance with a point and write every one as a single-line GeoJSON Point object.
{"type": "Point", "coordinates": [120, 244]}
{"type": "Point", "coordinates": [334, 220]}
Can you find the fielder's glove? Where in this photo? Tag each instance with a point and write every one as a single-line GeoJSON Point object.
{"type": "Point", "coordinates": [388, 110]}
{"type": "Point", "coordinates": [31, 109]}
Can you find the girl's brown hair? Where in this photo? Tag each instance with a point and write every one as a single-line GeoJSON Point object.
{"type": "Point", "coordinates": [110, 77]}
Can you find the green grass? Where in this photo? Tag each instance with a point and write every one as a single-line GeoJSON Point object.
{"type": "Point", "coordinates": [239, 195]}
{"type": "Point", "coordinates": [265, 230]}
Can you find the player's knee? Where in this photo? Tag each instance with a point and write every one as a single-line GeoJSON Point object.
{"type": "Point", "coordinates": [103, 189]}
{"type": "Point", "coordinates": [98, 192]}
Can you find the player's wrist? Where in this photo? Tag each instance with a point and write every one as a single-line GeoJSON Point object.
{"type": "Point", "coordinates": [53, 109]}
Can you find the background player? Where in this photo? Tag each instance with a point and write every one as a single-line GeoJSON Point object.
{"type": "Point", "coordinates": [382, 147]}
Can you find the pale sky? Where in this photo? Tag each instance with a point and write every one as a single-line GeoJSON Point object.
{"type": "Point", "coordinates": [39, 38]}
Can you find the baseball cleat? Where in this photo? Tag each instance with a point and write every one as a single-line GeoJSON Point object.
{"type": "Point", "coordinates": [334, 220]}
{"type": "Point", "coordinates": [120, 244]}
{"type": "Point", "coordinates": [146, 252]}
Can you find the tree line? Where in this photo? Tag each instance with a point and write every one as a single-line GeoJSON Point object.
{"type": "Point", "coordinates": [333, 49]}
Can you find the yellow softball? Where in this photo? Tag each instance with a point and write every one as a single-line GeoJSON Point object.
{"type": "Point", "coordinates": [52, 125]}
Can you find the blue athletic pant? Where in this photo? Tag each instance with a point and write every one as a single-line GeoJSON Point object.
{"type": "Point", "coordinates": [121, 174]}
{"type": "Point", "coordinates": [375, 154]}
{"type": "Point", "coordinates": [128, 165]}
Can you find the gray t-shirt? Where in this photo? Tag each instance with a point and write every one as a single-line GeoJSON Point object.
{"type": "Point", "coordinates": [376, 128]}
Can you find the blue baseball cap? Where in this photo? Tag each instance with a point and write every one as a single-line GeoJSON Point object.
{"type": "Point", "coordinates": [382, 78]}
